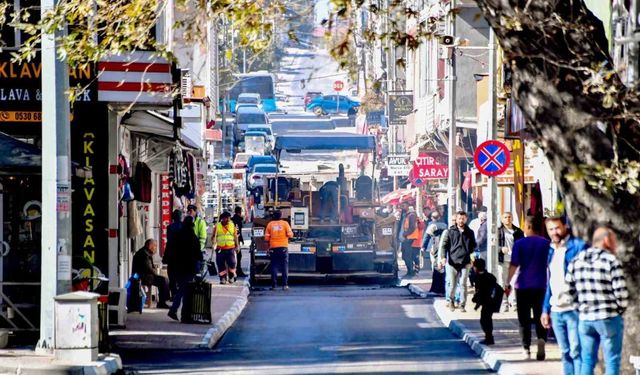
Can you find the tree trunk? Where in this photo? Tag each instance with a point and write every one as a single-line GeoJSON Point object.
{"type": "Point", "coordinates": [581, 116]}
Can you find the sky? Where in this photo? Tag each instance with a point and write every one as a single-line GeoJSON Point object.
{"type": "Point", "coordinates": [321, 10]}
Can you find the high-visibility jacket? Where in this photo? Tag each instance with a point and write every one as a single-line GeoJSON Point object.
{"type": "Point", "coordinates": [200, 229]}
{"type": "Point", "coordinates": [225, 236]}
{"type": "Point", "coordinates": [416, 235]}
{"type": "Point", "coordinates": [278, 233]}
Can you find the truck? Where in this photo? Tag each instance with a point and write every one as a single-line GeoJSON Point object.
{"type": "Point", "coordinates": [358, 241]}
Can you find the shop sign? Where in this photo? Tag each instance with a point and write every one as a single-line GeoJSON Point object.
{"type": "Point", "coordinates": [165, 210]}
{"type": "Point", "coordinates": [400, 106]}
{"type": "Point", "coordinates": [431, 166]}
{"type": "Point", "coordinates": [374, 118]}
{"type": "Point", "coordinates": [519, 177]}
{"type": "Point", "coordinates": [398, 165]}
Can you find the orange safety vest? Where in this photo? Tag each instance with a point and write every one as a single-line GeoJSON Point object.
{"type": "Point", "coordinates": [416, 235]}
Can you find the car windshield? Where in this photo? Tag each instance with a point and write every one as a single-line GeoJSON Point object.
{"type": "Point", "coordinates": [251, 118]}
{"type": "Point", "coordinates": [248, 100]}
{"type": "Point", "coordinates": [265, 169]}
{"type": "Point", "coordinates": [260, 129]}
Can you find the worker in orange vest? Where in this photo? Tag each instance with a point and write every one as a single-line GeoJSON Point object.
{"type": "Point", "coordinates": [412, 233]}
{"type": "Point", "coordinates": [277, 235]}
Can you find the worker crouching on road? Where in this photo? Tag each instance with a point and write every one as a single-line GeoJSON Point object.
{"type": "Point", "coordinates": [225, 239]}
{"type": "Point", "coordinates": [277, 235]}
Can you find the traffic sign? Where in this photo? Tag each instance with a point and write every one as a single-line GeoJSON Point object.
{"type": "Point", "coordinates": [398, 165]}
{"type": "Point", "coordinates": [492, 158]}
{"type": "Point", "coordinates": [338, 85]}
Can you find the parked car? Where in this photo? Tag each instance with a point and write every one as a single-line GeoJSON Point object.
{"type": "Point", "coordinates": [244, 118]}
{"type": "Point", "coordinates": [257, 143]}
{"type": "Point", "coordinates": [241, 160]}
{"type": "Point", "coordinates": [249, 98]}
{"type": "Point", "coordinates": [260, 159]}
{"type": "Point", "coordinates": [256, 176]}
{"type": "Point", "coordinates": [309, 96]}
{"type": "Point", "coordinates": [282, 102]}
{"type": "Point", "coordinates": [323, 105]}
{"type": "Point", "coordinates": [264, 128]}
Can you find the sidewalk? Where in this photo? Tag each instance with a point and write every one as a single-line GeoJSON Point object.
{"type": "Point", "coordinates": [505, 357]}
{"type": "Point", "coordinates": [28, 362]}
{"type": "Point", "coordinates": [153, 329]}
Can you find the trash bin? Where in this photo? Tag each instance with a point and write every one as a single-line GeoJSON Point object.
{"type": "Point", "coordinates": [76, 327]}
{"type": "Point", "coordinates": [103, 320]}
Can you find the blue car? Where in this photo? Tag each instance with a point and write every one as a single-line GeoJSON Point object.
{"type": "Point", "coordinates": [323, 105]}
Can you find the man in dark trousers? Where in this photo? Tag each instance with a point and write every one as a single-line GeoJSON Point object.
{"type": "Point", "coordinates": [508, 234]}
{"type": "Point", "coordinates": [485, 284]}
{"type": "Point", "coordinates": [238, 220]}
{"type": "Point", "coordinates": [412, 234]}
{"type": "Point", "coordinates": [458, 245]}
{"type": "Point", "coordinates": [143, 266]}
{"type": "Point", "coordinates": [171, 250]}
{"type": "Point", "coordinates": [530, 255]}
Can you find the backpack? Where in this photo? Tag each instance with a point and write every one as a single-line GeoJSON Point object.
{"type": "Point", "coordinates": [496, 297]}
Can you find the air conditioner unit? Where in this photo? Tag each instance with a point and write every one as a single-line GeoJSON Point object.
{"type": "Point", "coordinates": [186, 85]}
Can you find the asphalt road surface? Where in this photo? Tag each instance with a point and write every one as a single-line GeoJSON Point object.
{"type": "Point", "coordinates": [324, 329]}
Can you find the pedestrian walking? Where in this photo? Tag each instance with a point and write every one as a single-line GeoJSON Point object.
{"type": "Point", "coordinates": [529, 257]}
{"type": "Point", "coordinates": [508, 234]}
{"type": "Point", "coordinates": [143, 265]}
{"type": "Point", "coordinates": [412, 234]}
{"type": "Point", "coordinates": [277, 234]}
{"type": "Point", "coordinates": [225, 238]}
{"type": "Point", "coordinates": [484, 297]}
{"type": "Point", "coordinates": [558, 311]}
{"type": "Point", "coordinates": [430, 245]}
{"type": "Point", "coordinates": [457, 247]}
{"type": "Point", "coordinates": [185, 266]}
{"type": "Point", "coordinates": [171, 250]}
{"type": "Point", "coordinates": [199, 225]}
{"type": "Point", "coordinates": [238, 220]}
{"type": "Point", "coordinates": [599, 292]}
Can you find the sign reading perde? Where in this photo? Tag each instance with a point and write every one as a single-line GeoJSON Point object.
{"type": "Point", "coordinates": [398, 165]}
{"type": "Point", "coordinates": [400, 106]}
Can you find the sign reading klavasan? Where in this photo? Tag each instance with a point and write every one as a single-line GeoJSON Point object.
{"type": "Point", "coordinates": [400, 106]}
{"type": "Point", "coordinates": [398, 165]}
{"type": "Point", "coordinates": [431, 166]}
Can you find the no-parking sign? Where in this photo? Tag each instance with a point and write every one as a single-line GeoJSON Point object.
{"type": "Point", "coordinates": [492, 158]}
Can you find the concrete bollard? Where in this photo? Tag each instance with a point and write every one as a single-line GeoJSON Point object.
{"type": "Point", "coordinates": [76, 327]}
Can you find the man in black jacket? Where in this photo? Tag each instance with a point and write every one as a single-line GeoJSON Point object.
{"type": "Point", "coordinates": [238, 219]}
{"type": "Point", "coordinates": [143, 266]}
{"type": "Point", "coordinates": [508, 234]}
{"type": "Point", "coordinates": [458, 245]}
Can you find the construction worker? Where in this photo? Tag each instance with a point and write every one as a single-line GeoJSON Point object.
{"type": "Point", "coordinates": [225, 239]}
{"type": "Point", "coordinates": [199, 225]}
{"type": "Point", "coordinates": [277, 235]}
{"type": "Point", "coordinates": [412, 233]}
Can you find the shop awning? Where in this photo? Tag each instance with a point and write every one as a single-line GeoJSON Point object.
{"type": "Point", "coordinates": [325, 141]}
{"type": "Point", "coordinates": [17, 156]}
{"type": "Point", "coordinates": [155, 125]}
{"type": "Point", "coordinates": [399, 196]}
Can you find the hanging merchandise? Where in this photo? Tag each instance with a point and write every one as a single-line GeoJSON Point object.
{"type": "Point", "coordinates": [127, 193]}
{"type": "Point", "coordinates": [142, 183]}
{"type": "Point", "coordinates": [133, 220]}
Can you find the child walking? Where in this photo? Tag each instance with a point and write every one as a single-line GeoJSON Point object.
{"type": "Point", "coordinates": [485, 297]}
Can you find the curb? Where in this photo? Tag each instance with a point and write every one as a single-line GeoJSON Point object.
{"type": "Point", "coordinates": [490, 359]}
{"type": "Point", "coordinates": [215, 333]}
{"type": "Point", "coordinates": [105, 365]}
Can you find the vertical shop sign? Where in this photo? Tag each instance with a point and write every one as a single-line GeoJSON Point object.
{"type": "Point", "coordinates": [165, 210]}
{"type": "Point", "coordinates": [517, 151]}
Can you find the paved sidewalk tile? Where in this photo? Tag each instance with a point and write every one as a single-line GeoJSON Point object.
{"type": "Point", "coordinates": [28, 362]}
{"type": "Point", "coordinates": [154, 329]}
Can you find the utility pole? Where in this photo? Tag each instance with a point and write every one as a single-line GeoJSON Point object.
{"type": "Point", "coordinates": [56, 183]}
{"type": "Point", "coordinates": [451, 95]}
{"type": "Point", "coordinates": [492, 215]}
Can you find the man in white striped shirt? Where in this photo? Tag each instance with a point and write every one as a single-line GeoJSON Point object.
{"type": "Point", "coordinates": [599, 292]}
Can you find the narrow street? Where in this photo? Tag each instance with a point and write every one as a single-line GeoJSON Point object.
{"type": "Point", "coordinates": [324, 329]}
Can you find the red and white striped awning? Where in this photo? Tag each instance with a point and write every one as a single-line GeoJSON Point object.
{"type": "Point", "coordinates": [137, 77]}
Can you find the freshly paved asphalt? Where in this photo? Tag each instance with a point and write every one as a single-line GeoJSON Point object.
{"type": "Point", "coordinates": [324, 329]}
